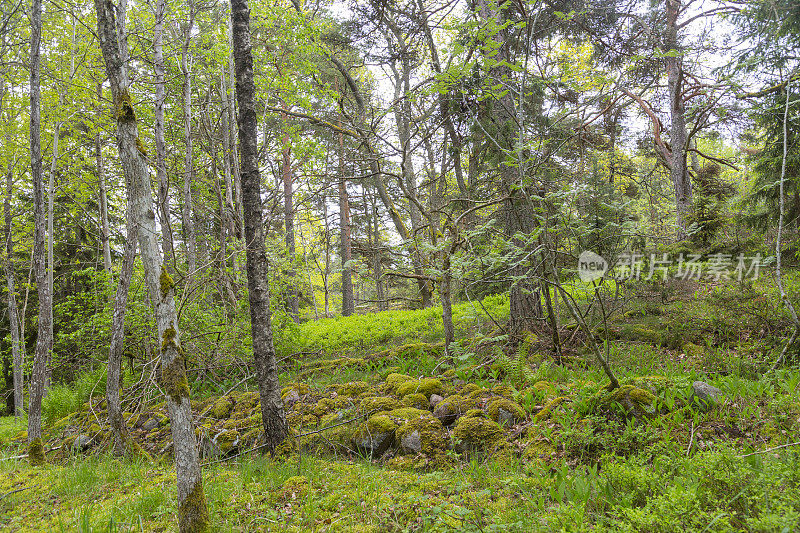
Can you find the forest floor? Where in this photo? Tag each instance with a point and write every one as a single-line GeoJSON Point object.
{"type": "Point", "coordinates": [389, 436]}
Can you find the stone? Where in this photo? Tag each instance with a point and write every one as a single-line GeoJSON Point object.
{"type": "Point", "coordinates": [707, 396]}
{"type": "Point", "coordinates": [82, 443]}
{"type": "Point", "coordinates": [426, 386]}
{"type": "Point", "coordinates": [475, 434]}
{"type": "Point", "coordinates": [435, 400]}
{"type": "Point", "coordinates": [411, 443]}
{"type": "Point", "coordinates": [505, 412]}
{"type": "Point", "coordinates": [291, 398]}
{"type": "Point", "coordinates": [150, 424]}
{"type": "Point", "coordinates": [452, 407]}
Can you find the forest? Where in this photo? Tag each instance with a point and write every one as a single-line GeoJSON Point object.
{"type": "Point", "coordinates": [400, 265]}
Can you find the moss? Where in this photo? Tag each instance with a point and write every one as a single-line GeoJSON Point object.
{"type": "Point", "coordinates": [505, 411]}
{"type": "Point", "coordinates": [294, 487]}
{"type": "Point", "coordinates": [353, 389]}
{"type": "Point", "coordinates": [426, 386]}
{"type": "Point", "coordinates": [227, 440]}
{"type": "Point", "coordinates": [192, 512]}
{"type": "Point", "coordinates": [140, 146]}
{"type": "Point", "coordinates": [169, 338]}
{"type": "Point", "coordinates": [407, 413]}
{"type": "Point", "coordinates": [301, 388]}
{"type": "Point", "coordinates": [479, 393]}
{"type": "Point", "coordinates": [124, 109]}
{"type": "Point", "coordinates": [504, 391]}
{"type": "Point", "coordinates": [378, 404]}
{"type": "Point", "coordinates": [475, 413]}
{"type": "Point", "coordinates": [474, 434]}
{"type": "Point", "coordinates": [36, 452]}
{"type": "Point", "coordinates": [173, 376]}
{"type": "Point", "coordinates": [221, 408]}
{"type": "Point", "coordinates": [636, 401]}
{"type": "Point", "coordinates": [545, 413]}
{"type": "Point", "coordinates": [166, 283]}
{"type": "Point", "coordinates": [416, 400]}
{"type": "Point", "coordinates": [394, 380]}
{"type": "Point", "coordinates": [246, 400]}
{"type": "Point", "coordinates": [468, 388]}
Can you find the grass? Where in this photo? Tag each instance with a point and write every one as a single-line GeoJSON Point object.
{"type": "Point", "coordinates": [578, 470]}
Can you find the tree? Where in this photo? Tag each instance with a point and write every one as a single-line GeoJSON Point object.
{"type": "Point", "coordinates": [272, 414]}
{"type": "Point", "coordinates": [43, 341]}
{"type": "Point", "coordinates": [192, 510]}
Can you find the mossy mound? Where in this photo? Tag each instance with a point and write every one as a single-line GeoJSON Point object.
{"type": "Point", "coordinates": [548, 409]}
{"type": "Point", "coordinates": [378, 404]}
{"type": "Point", "coordinates": [505, 412]}
{"type": "Point", "coordinates": [353, 389]}
{"type": "Point", "coordinates": [475, 434]}
{"type": "Point", "coordinates": [635, 401]}
{"type": "Point", "coordinates": [416, 400]}
{"type": "Point", "coordinates": [221, 408]}
{"type": "Point", "coordinates": [394, 380]}
{"type": "Point", "coordinates": [295, 487]}
{"type": "Point", "coordinates": [426, 386]}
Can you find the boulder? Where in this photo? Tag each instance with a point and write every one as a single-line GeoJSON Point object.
{"type": "Point", "coordinates": [707, 396]}
{"type": "Point", "coordinates": [82, 443]}
{"type": "Point", "coordinates": [416, 400]}
{"type": "Point", "coordinates": [435, 399]}
{"type": "Point", "coordinates": [476, 434]}
{"type": "Point", "coordinates": [505, 412]}
{"type": "Point", "coordinates": [423, 434]}
{"type": "Point", "coordinates": [452, 407]}
{"type": "Point", "coordinates": [426, 386]}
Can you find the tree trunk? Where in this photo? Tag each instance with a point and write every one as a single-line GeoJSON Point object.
{"type": "Point", "coordinates": [228, 161]}
{"type": "Point", "coordinates": [43, 342]}
{"type": "Point", "coordinates": [105, 234]}
{"type": "Point", "coordinates": [119, 430]}
{"type": "Point", "coordinates": [161, 150]}
{"type": "Point", "coordinates": [515, 211]}
{"type": "Point", "coordinates": [348, 305]}
{"type": "Point", "coordinates": [17, 344]}
{"type": "Point", "coordinates": [272, 414]}
{"type": "Point", "coordinates": [188, 172]}
{"type": "Point", "coordinates": [678, 171]}
{"type": "Point", "coordinates": [292, 301]}
{"type": "Point", "coordinates": [232, 122]}
{"type": "Point", "coordinates": [192, 511]}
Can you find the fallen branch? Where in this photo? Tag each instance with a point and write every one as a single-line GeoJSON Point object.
{"type": "Point", "coordinates": [770, 449]}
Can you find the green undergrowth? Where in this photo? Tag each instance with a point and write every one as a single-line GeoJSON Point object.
{"type": "Point", "coordinates": [714, 490]}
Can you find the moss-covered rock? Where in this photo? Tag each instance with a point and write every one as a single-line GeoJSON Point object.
{"type": "Point", "coordinates": [451, 408]}
{"type": "Point", "coordinates": [378, 404]}
{"type": "Point", "coordinates": [353, 389]}
{"type": "Point", "coordinates": [468, 388]}
{"type": "Point", "coordinates": [394, 380]}
{"type": "Point", "coordinates": [477, 394]}
{"type": "Point", "coordinates": [475, 434]}
{"type": "Point", "coordinates": [301, 388]}
{"type": "Point", "coordinates": [504, 391]}
{"type": "Point", "coordinates": [227, 441]}
{"type": "Point", "coordinates": [426, 386]}
{"type": "Point", "coordinates": [416, 400]}
{"type": "Point", "coordinates": [376, 436]}
{"type": "Point", "coordinates": [548, 409]}
{"type": "Point", "coordinates": [423, 434]}
{"type": "Point", "coordinates": [505, 412]}
{"type": "Point", "coordinates": [635, 401]}
{"type": "Point", "coordinates": [221, 408]}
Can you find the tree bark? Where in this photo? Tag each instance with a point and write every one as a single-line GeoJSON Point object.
{"type": "Point", "coordinates": [161, 151]}
{"type": "Point", "coordinates": [679, 173]}
{"type": "Point", "coordinates": [192, 510]}
{"type": "Point", "coordinates": [188, 171]}
{"type": "Point", "coordinates": [17, 344]}
{"type": "Point", "coordinates": [101, 185]}
{"type": "Point", "coordinates": [232, 122]}
{"type": "Point", "coordinates": [272, 414]}
{"type": "Point", "coordinates": [119, 430]}
{"type": "Point", "coordinates": [292, 300]}
{"type": "Point", "coordinates": [348, 305]}
{"type": "Point", "coordinates": [43, 342]}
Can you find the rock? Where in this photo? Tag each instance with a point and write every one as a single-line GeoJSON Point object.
{"type": "Point", "coordinates": [423, 434]}
{"type": "Point", "coordinates": [411, 442]}
{"type": "Point", "coordinates": [636, 401]}
{"type": "Point", "coordinates": [452, 407]}
{"type": "Point", "coordinates": [227, 441]}
{"type": "Point", "coordinates": [707, 396]}
{"type": "Point", "coordinates": [435, 399]}
{"type": "Point", "coordinates": [378, 404]}
{"type": "Point", "coordinates": [377, 435]}
{"type": "Point", "coordinates": [82, 443]}
{"type": "Point", "coordinates": [222, 408]}
{"type": "Point", "coordinates": [505, 412]}
{"type": "Point", "coordinates": [291, 398]}
{"type": "Point", "coordinates": [353, 388]}
{"type": "Point", "coordinates": [150, 424]}
{"type": "Point", "coordinates": [394, 380]}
